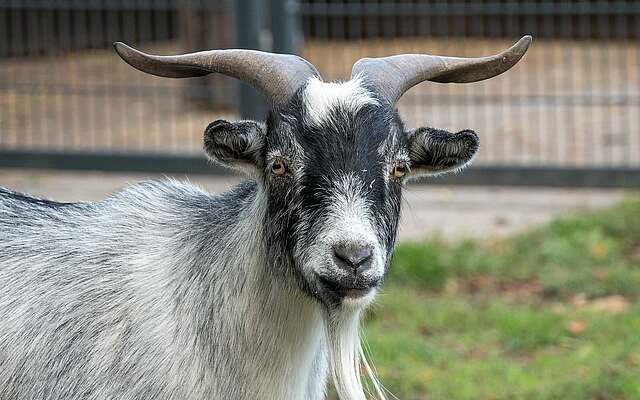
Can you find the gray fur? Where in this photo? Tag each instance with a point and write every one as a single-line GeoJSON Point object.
{"type": "Point", "coordinates": [157, 292]}
{"type": "Point", "coordinates": [165, 292]}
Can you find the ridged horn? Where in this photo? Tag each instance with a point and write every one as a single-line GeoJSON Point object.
{"type": "Point", "coordinates": [392, 76]}
{"type": "Point", "coordinates": [276, 76]}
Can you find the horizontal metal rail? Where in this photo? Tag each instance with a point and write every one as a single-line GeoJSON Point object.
{"type": "Point", "coordinates": [358, 9]}
{"type": "Point", "coordinates": [471, 9]}
{"type": "Point", "coordinates": [493, 175]}
{"type": "Point", "coordinates": [94, 161]}
{"type": "Point", "coordinates": [102, 4]}
{"type": "Point", "coordinates": [66, 89]}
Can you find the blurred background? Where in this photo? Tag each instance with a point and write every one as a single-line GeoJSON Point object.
{"type": "Point", "coordinates": [517, 279]}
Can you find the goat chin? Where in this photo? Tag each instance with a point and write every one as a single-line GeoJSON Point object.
{"type": "Point", "coordinates": [346, 357]}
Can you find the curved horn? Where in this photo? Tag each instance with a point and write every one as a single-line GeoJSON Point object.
{"type": "Point", "coordinates": [393, 76]}
{"type": "Point", "coordinates": [276, 76]}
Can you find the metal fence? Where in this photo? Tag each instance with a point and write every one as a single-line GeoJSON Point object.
{"type": "Point", "coordinates": [569, 114]}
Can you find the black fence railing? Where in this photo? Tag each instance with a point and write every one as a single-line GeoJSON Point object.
{"type": "Point", "coordinates": [570, 110]}
{"type": "Point", "coordinates": [467, 18]}
{"type": "Point", "coordinates": [44, 28]}
{"type": "Point", "coordinates": [573, 103]}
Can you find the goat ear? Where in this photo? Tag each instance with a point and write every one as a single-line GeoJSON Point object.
{"type": "Point", "coordinates": [435, 151]}
{"type": "Point", "coordinates": [235, 144]}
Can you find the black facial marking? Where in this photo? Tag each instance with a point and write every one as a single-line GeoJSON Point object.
{"type": "Point", "coordinates": [348, 144]}
{"type": "Point", "coordinates": [350, 153]}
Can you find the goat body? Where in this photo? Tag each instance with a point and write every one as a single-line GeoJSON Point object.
{"type": "Point", "coordinates": [161, 291]}
{"type": "Point", "coordinates": [165, 292]}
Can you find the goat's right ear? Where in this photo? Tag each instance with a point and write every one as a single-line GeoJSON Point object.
{"type": "Point", "coordinates": [236, 145]}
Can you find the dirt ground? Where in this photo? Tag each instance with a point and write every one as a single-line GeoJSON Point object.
{"type": "Point", "coordinates": [452, 212]}
{"type": "Point", "coordinates": [567, 103]}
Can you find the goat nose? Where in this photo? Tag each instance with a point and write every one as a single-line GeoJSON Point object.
{"type": "Point", "coordinates": [355, 256]}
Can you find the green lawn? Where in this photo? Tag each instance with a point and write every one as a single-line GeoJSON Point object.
{"type": "Point", "coordinates": [550, 314]}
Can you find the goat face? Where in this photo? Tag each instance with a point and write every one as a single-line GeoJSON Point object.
{"type": "Point", "coordinates": [332, 158]}
{"type": "Point", "coordinates": [332, 164]}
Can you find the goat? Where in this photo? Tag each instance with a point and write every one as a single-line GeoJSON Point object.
{"type": "Point", "coordinates": [163, 291]}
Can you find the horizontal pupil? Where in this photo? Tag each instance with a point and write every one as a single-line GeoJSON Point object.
{"type": "Point", "coordinates": [278, 168]}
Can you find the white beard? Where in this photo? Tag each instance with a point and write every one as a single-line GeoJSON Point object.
{"type": "Point", "coordinates": [346, 356]}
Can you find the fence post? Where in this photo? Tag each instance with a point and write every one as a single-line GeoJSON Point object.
{"type": "Point", "coordinates": [285, 25]}
{"type": "Point", "coordinates": [248, 21]}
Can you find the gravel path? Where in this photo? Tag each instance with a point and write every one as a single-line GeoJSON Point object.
{"type": "Point", "coordinates": [449, 211]}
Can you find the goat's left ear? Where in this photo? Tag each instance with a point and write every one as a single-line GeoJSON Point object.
{"type": "Point", "coordinates": [237, 145]}
{"type": "Point", "coordinates": [435, 151]}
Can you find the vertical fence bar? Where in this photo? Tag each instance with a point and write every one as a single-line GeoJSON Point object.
{"type": "Point", "coordinates": [607, 136]}
{"type": "Point", "coordinates": [127, 30]}
{"type": "Point", "coordinates": [143, 22]}
{"type": "Point", "coordinates": [248, 18]}
{"type": "Point", "coordinates": [624, 43]}
{"type": "Point", "coordinates": [157, 34]}
{"type": "Point", "coordinates": [48, 48]}
{"type": "Point", "coordinates": [110, 22]}
{"type": "Point", "coordinates": [6, 51]}
{"type": "Point", "coordinates": [636, 41]}
{"type": "Point", "coordinates": [285, 25]}
{"type": "Point", "coordinates": [569, 140]}
{"type": "Point", "coordinates": [550, 108]}
{"type": "Point", "coordinates": [79, 41]}
{"type": "Point", "coordinates": [585, 29]}
{"type": "Point", "coordinates": [4, 33]}
{"type": "Point", "coordinates": [323, 28]}
{"type": "Point", "coordinates": [63, 22]}
{"type": "Point", "coordinates": [31, 39]}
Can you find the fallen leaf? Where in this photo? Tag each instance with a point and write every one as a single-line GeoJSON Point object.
{"type": "Point", "coordinates": [612, 304]}
{"type": "Point", "coordinates": [576, 327]}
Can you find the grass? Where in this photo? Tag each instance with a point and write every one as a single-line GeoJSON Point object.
{"type": "Point", "coordinates": [550, 314]}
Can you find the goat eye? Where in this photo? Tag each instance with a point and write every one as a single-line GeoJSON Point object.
{"type": "Point", "coordinates": [278, 168]}
{"type": "Point", "coordinates": [400, 170]}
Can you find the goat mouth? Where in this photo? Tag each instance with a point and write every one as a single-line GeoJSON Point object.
{"type": "Point", "coordinates": [347, 289]}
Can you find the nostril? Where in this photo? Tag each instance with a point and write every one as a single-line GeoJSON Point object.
{"type": "Point", "coordinates": [354, 254]}
{"type": "Point", "coordinates": [362, 256]}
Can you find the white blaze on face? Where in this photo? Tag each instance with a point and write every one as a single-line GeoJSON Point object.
{"type": "Point", "coordinates": [321, 98]}
{"type": "Point", "coordinates": [349, 219]}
